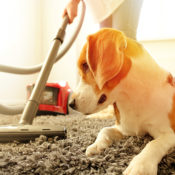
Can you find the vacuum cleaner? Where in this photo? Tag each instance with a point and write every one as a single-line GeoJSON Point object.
{"type": "Point", "coordinates": [55, 98]}
{"type": "Point", "coordinates": [25, 131]}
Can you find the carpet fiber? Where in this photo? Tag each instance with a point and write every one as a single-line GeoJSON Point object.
{"type": "Point", "coordinates": [58, 157]}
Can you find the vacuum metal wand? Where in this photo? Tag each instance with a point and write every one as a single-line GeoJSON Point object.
{"type": "Point", "coordinates": [31, 107]}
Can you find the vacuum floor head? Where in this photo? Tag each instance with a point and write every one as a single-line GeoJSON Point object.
{"type": "Point", "coordinates": [24, 133]}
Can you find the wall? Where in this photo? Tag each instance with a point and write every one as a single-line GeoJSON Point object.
{"type": "Point", "coordinates": [156, 20]}
{"type": "Point", "coordinates": [20, 43]}
{"type": "Point", "coordinates": [163, 52]}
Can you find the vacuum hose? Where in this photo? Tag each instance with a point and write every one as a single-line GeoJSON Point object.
{"type": "Point", "coordinates": [12, 110]}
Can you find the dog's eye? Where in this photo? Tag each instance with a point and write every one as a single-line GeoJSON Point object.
{"type": "Point", "coordinates": [102, 99]}
{"type": "Point", "coordinates": [85, 67]}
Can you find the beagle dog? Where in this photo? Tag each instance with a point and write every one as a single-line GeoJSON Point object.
{"type": "Point", "coordinates": [117, 70]}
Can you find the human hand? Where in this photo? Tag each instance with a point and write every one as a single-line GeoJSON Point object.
{"type": "Point", "coordinates": [71, 10]}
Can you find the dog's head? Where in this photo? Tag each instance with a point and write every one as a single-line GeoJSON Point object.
{"type": "Point", "coordinates": [102, 65]}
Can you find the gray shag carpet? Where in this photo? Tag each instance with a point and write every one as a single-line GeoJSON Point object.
{"type": "Point", "coordinates": [58, 157]}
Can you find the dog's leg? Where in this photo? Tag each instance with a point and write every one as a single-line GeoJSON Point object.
{"type": "Point", "coordinates": [105, 138]}
{"type": "Point", "coordinates": [147, 161]}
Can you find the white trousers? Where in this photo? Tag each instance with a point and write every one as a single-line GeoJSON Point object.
{"type": "Point", "coordinates": [126, 17]}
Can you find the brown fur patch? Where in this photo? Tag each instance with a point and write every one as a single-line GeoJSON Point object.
{"type": "Point", "coordinates": [105, 54]}
{"type": "Point", "coordinates": [172, 114]}
{"type": "Point", "coordinates": [117, 113]}
{"type": "Point", "coordinates": [82, 59]}
{"type": "Point", "coordinates": [88, 76]}
{"type": "Point", "coordinates": [171, 80]}
{"type": "Point", "coordinates": [122, 74]}
{"type": "Point", "coordinates": [134, 49]}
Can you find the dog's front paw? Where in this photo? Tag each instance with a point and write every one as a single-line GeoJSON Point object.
{"type": "Point", "coordinates": [141, 166]}
{"type": "Point", "coordinates": [94, 149]}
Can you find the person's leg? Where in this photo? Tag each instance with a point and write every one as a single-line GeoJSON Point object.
{"type": "Point", "coordinates": [126, 17]}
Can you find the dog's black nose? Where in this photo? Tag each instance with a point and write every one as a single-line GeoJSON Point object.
{"type": "Point", "coordinates": [72, 104]}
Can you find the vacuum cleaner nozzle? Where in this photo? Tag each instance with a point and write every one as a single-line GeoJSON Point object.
{"type": "Point", "coordinates": [24, 133]}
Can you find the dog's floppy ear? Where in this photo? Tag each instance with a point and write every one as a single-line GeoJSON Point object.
{"type": "Point", "coordinates": [105, 54]}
